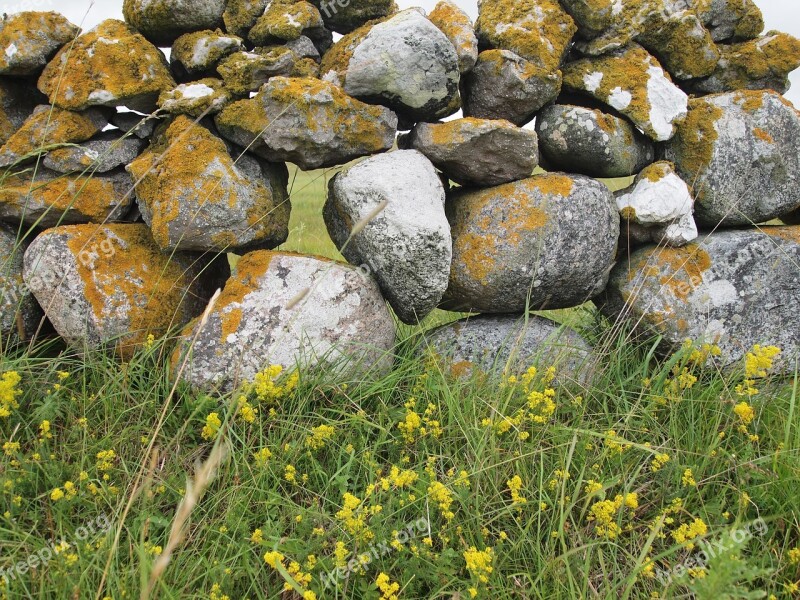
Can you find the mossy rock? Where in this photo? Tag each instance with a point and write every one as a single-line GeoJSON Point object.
{"type": "Point", "coordinates": [730, 20]}
{"type": "Point", "coordinates": [345, 16]}
{"type": "Point", "coordinates": [20, 314]}
{"type": "Point", "coordinates": [164, 21]}
{"type": "Point", "coordinates": [285, 20]}
{"type": "Point", "coordinates": [28, 40]}
{"type": "Point", "coordinates": [197, 54]}
{"type": "Point", "coordinates": [198, 98]}
{"type": "Point", "coordinates": [245, 72]}
{"type": "Point", "coordinates": [241, 15]}
{"type": "Point", "coordinates": [459, 29]}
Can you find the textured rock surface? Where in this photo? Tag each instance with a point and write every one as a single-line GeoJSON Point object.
{"type": "Point", "coordinates": [308, 122]}
{"type": "Point", "coordinates": [245, 72]}
{"type": "Point", "coordinates": [197, 54]}
{"type": "Point", "coordinates": [28, 40]}
{"type": "Point", "coordinates": [111, 65]}
{"type": "Point", "coordinates": [164, 21]}
{"type": "Point", "coordinates": [199, 98]}
{"type": "Point", "coordinates": [545, 242]}
{"type": "Point", "coordinates": [458, 28]}
{"type": "Point", "coordinates": [142, 126]}
{"type": "Point", "coordinates": [288, 310]}
{"type": "Point", "coordinates": [240, 15]}
{"type": "Point", "coordinates": [477, 151]}
{"type": "Point", "coordinates": [733, 288]}
{"type": "Point", "coordinates": [739, 152]}
{"type": "Point", "coordinates": [20, 314]}
{"type": "Point", "coordinates": [736, 20]}
{"type": "Point", "coordinates": [17, 101]}
{"type": "Point", "coordinates": [588, 141]}
{"type": "Point", "coordinates": [406, 245]}
{"type": "Point", "coordinates": [111, 284]}
{"type": "Point", "coordinates": [194, 197]}
{"type": "Point", "coordinates": [105, 152]}
{"type": "Point", "coordinates": [344, 16]}
{"type": "Point", "coordinates": [285, 20]}
{"type": "Point", "coordinates": [505, 86]}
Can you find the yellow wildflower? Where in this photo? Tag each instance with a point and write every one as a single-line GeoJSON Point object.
{"type": "Point", "coordinates": [479, 563]}
{"type": "Point", "coordinates": [211, 428]}
{"type": "Point", "coordinates": [387, 587]}
{"type": "Point", "coordinates": [319, 437]}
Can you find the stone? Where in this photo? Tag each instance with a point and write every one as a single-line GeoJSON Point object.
{"type": "Point", "coordinates": [49, 126]}
{"type": "Point", "coordinates": [245, 72]}
{"type": "Point", "coordinates": [17, 102]}
{"type": "Point", "coordinates": [285, 20]}
{"type": "Point", "coordinates": [509, 345]}
{"type": "Point", "coordinates": [386, 215]}
{"type": "Point", "coordinates": [735, 289]}
{"type": "Point", "coordinates": [28, 40]}
{"type": "Point", "coordinates": [537, 30]}
{"type": "Point", "coordinates": [589, 141]}
{"type": "Point", "coordinates": [103, 153]}
{"type": "Point", "coordinates": [503, 85]}
{"type": "Point", "coordinates": [478, 152]}
{"type": "Point", "coordinates": [54, 199]}
{"type": "Point", "coordinates": [632, 82]}
{"type": "Point", "coordinates": [309, 122]}
{"type": "Point", "coordinates": [545, 242]}
{"type": "Point", "coordinates": [111, 65]}
{"type": "Point", "coordinates": [458, 27]}
{"type": "Point", "coordinates": [164, 21]}
{"type": "Point", "coordinates": [303, 47]}
{"type": "Point", "coordinates": [793, 218]}
{"type": "Point", "coordinates": [20, 315]}
{"type": "Point", "coordinates": [344, 16]}
{"type": "Point", "coordinates": [739, 153]}
{"type": "Point", "coordinates": [240, 15]}
{"type": "Point", "coordinates": [197, 99]}
{"type": "Point", "coordinates": [293, 311]}
{"type": "Point", "coordinates": [196, 55]}
{"type": "Point", "coordinates": [606, 25]}
{"type": "Point", "coordinates": [142, 126]}
{"type": "Point", "coordinates": [730, 20]}
{"type": "Point", "coordinates": [403, 62]}
{"type": "Point", "coordinates": [195, 196]}
{"type": "Point", "coordinates": [110, 285]}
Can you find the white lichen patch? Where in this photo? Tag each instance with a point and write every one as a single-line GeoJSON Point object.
{"type": "Point", "coordinates": [592, 81]}
{"type": "Point", "coordinates": [619, 98]}
{"type": "Point", "coordinates": [669, 105]}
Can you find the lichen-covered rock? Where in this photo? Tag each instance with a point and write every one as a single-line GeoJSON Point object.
{"type": "Point", "coordinates": [17, 102]}
{"type": "Point", "coordinates": [632, 82]}
{"type": "Point", "coordinates": [111, 285]}
{"type": "Point", "coordinates": [49, 126]}
{"type": "Point", "coordinates": [537, 30]}
{"type": "Point", "coordinates": [591, 142]}
{"type": "Point", "coordinates": [293, 311]}
{"type": "Point", "coordinates": [477, 151]}
{"type": "Point", "coordinates": [545, 242]}
{"type": "Point", "coordinates": [739, 152]}
{"type": "Point", "coordinates": [245, 72]}
{"type": "Point", "coordinates": [734, 20]}
{"type": "Point", "coordinates": [735, 289]}
{"type": "Point", "coordinates": [111, 65]}
{"type": "Point", "coordinates": [197, 54]}
{"type": "Point", "coordinates": [194, 196]}
{"type": "Point", "coordinates": [404, 62]}
{"type": "Point", "coordinates": [241, 15]}
{"type": "Point", "coordinates": [344, 16]}
{"type": "Point", "coordinates": [405, 245]}
{"type": "Point", "coordinates": [53, 199]}
{"type": "Point", "coordinates": [458, 28]}
{"type": "Point", "coordinates": [503, 85]}
{"type": "Point", "coordinates": [104, 152]}
{"type": "Point", "coordinates": [164, 21]}
{"type": "Point", "coordinates": [142, 126]}
{"type": "Point", "coordinates": [285, 20]}
{"type": "Point", "coordinates": [764, 63]}
{"type": "Point", "coordinates": [509, 345]}
{"type": "Point", "coordinates": [20, 314]}
{"type": "Point", "coordinates": [199, 98]}
{"type": "Point", "coordinates": [28, 40]}
{"type": "Point", "coordinates": [309, 122]}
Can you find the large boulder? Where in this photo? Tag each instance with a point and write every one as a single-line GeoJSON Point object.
{"type": "Point", "coordinates": [196, 55]}
{"type": "Point", "coordinates": [20, 314]}
{"type": "Point", "coordinates": [386, 214]}
{"type": "Point", "coordinates": [164, 21]}
{"type": "Point", "coordinates": [309, 122]}
{"type": "Point", "coordinates": [111, 284]}
{"type": "Point", "coordinates": [288, 310]}
{"type": "Point", "coordinates": [17, 102]}
{"type": "Point", "coordinates": [344, 16]}
{"type": "Point", "coordinates": [195, 195]}
{"type": "Point", "coordinates": [30, 39]}
{"type": "Point", "coordinates": [730, 20]}
{"type": "Point", "coordinates": [245, 72]}
{"type": "Point", "coordinates": [103, 153]}
{"type": "Point", "coordinates": [458, 28]}
{"type": "Point", "coordinates": [545, 242]}
{"type": "Point", "coordinates": [739, 151]}
{"type": "Point", "coordinates": [735, 289]}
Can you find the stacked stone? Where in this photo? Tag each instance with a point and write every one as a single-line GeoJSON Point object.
{"type": "Point", "coordinates": [135, 175]}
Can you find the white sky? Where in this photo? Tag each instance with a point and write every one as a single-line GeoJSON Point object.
{"type": "Point", "coordinates": [783, 15]}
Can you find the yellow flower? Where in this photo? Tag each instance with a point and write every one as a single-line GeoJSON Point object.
{"type": "Point", "coordinates": [262, 457]}
{"type": "Point", "coordinates": [257, 537]}
{"type": "Point", "coordinates": [794, 556]}
{"type": "Point", "coordinates": [604, 514]}
{"type": "Point", "coordinates": [272, 558]}
{"type": "Point", "coordinates": [515, 486]}
{"type": "Point", "coordinates": [410, 425]}
{"type": "Point", "coordinates": [615, 443]}
{"type": "Point", "coordinates": [592, 487]}
{"type": "Point", "coordinates": [443, 497]}
{"type": "Point", "coordinates": [11, 448]}
{"type": "Point", "coordinates": [319, 437]}
{"type": "Point", "coordinates": [688, 479]}
{"type": "Point", "coordinates": [745, 412]}
{"type": "Point", "coordinates": [57, 494]}
{"type": "Point", "coordinates": [479, 563]}
{"type": "Point", "coordinates": [290, 474]}
{"type": "Point", "coordinates": [150, 342]}
{"type": "Point", "coordinates": [689, 531]}
{"type": "Point", "coordinates": [69, 490]}
{"type": "Point", "coordinates": [246, 411]}
{"type": "Point", "coordinates": [216, 593]}
{"type": "Point", "coordinates": [387, 587]}
{"type": "Point", "coordinates": [267, 388]}
{"type": "Point", "coordinates": [658, 462]}
{"type": "Point", "coordinates": [211, 428]}
{"type": "Point", "coordinates": [44, 430]}
{"type": "Point", "coordinates": [105, 460]}
{"type": "Point", "coordinates": [760, 360]}
{"type": "Point", "coordinates": [9, 393]}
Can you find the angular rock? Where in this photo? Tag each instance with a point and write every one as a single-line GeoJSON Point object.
{"type": "Point", "coordinates": [588, 141]}
{"type": "Point", "coordinates": [194, 196]}
{"type": "Point", "coordinates": [735, 20]}
{"type": "Point", "coordinates": [309, 122]}
{"type": "Point", "coordinates": [285, 20]}
{"type": "Point", "coordinates": [54, 199]}
{"type": "Point", "coordinates": [197, 54]}
{"type": "Point", "coordinates": [537, 30]}
{"type": "Point", "coordinates": [17, 101]}
{"type": "Point", "coordinates": [111, 285]}
{"type": "Point", "coordinates": [734, 289]}
{"type": "Point", "coordinates": [503, 85]}
{"type": "Point", "coordinates": [20, 314]}
{"type": "Point", "coordinates": [28, 40]}
{"type": "Point", "coordinates": [199, 98]}
{"type": "Point", "coordinates": [49, 126]}
{"type": "Point", "coordinates": [458, 27]}
{"type": "Point", "coordinates": [477, 151]}
{"type": "Point", "coordinates": [303, 47]}
{"type": "Point", "coordinates": [545, 242]}
{"type": "Point", "coordinates": [344, 16]}
{"type": "Point", "coordinates": [111, 65]}
{"type": "Point", "coordinates": [632, 82]}
{"type": "Point", "coordinates": [405, 245]}
{"type": "Point", "coordinates": [241, 15]}
{"type": "Point", "coordinates": [245, 72]}
{"type": "Point", "coordinates": [164, 21]}
{"type": "Point", "coordinates": [289, 310]}
{"type": "Point", "coordinates": [142, 126]}
{"type": "Point", "coordinates": [607, 25]}
{"type": "Point", "coordinates": [739, 153]}
{"type": "Point", "coordinates": [404, 62]}
{"type": "Point", "coordinates": [103, 153]}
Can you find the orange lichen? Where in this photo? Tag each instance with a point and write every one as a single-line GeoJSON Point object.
{"type": "Point", "coordinates": [696, 138]}
{"type": "Point", "coordinates": [682, 269]}
{"type": "Point", "coordinates": [790, 233]}
{"type": "Point", "coordinates": [51, 31]}
{"type": "Point", "coordinates": [657, 171]}
{"type": "Point", "coordinates": [746, 65]}
{"type": "Point", "coordinates": [230, 321]}
{"type": "Point", "coordinates": [50, 126]}
{"type": "Point", "coordinates": [284, 20]}
{"type": "Point", "coordinates": [337, 59]}
{"type": "Point", "coordinates": [455, 24]}
{"type": "Point", "coordinates": [763, 135]}
{"type": "Point", "coordinates": [553, 184]}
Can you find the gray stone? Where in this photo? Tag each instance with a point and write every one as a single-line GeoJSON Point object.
{"type": "Point", "coordinates": [142, 126]}
{"type": "Point", "coordinates": [197, 55]}
{"type": "Point", "coordinates": [545, 242]}
{"type": "Point", "coordinates": [246, 72]}
{"type": "Point", "coordinates": [20, 314]}
{"type": "Point", "coordinates": [739, 151]}
{"type": "Point", "coordinates": [477, 151]}
{"type": "Point", "coordinates": [241, 15]}
{"type": "Point", "coordinates": [735, 20]}
{"type": "Point", "coordinates": [285, 20]}
{"type": "Point", "coordinates": [28, 40]}
{"type": "Point", "coordinates": [303, 47]}
{"type": "Point", "coordinates": [198, 98]}
{"type": "Point", "coordinates": [735, 289]}
{"type": "Point", "coordinates": [386, 215]}
{"type": "Point", "coordinates": [164, 21]}
{"type": "Point", "coordinates": [293, 311]}
{"type": "Point", "coordinates": [793, 218]}
{"type": "Point", "coordinates": [344, 16]}
{"type": "Point", "coordinates": [458, 28]}
{"type": "Point", "coordinates": [17, 101]}
{"type": "Point", "coordinates": [505, 86]}
{"type": "Point", "coordinates": [105, 152]}
{"type": "Point", "coordinates": [591, 142]}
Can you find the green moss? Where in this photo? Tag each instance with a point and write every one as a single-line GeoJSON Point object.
{"type": "Point", "coordinates": [241, 15]}
{"type": "Point", "coordinates": [747, 65]}
{"type": "Point", "coordinates": [683, 45]}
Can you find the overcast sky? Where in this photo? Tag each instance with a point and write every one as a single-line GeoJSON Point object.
{"type": "Point", "coordinates": [783, 15]}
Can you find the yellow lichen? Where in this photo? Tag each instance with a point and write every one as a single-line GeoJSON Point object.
{"type": "Point", "coordinates": [50, 126]}
{"type": "Point", "coordinates": [695, 140]}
